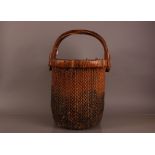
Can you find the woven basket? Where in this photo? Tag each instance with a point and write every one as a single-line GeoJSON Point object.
{"type": "Point", "coordinates": [77, 96]}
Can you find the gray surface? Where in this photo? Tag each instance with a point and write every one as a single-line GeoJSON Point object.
{"type": "Point", "coordinates": [109, 123]}
{"type": "Point", "coordinates": [25, 80]}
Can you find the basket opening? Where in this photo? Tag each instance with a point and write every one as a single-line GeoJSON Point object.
{"type": "Point", "coordinates": [78, 63]}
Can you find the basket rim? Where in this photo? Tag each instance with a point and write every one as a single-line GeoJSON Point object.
{"type": "Point", "coordinates": [78, 63]}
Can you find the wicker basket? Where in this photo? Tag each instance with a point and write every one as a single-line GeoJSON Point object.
{"type": "Point", "coordinates": [77, 96]}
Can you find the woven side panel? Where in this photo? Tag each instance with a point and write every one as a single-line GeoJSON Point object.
{"type": "Point", "coordinates": [77, 97]}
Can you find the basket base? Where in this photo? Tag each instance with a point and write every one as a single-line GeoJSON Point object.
{"type": "Point", "coordinates": [81, 117]}
{"type": "Point", "coordinates": [74, 127]}
{"type": "Point", "coordinates": [77, 120]}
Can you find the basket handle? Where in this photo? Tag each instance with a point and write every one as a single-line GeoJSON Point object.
{"type": "Point", "coordinates": [86, 32]}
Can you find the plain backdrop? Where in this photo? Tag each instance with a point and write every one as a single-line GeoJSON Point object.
{"type": "Point", "coordinates": [25, 79]}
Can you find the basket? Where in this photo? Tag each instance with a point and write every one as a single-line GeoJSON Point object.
{"type": "Point", "coordinates": [78, 86]}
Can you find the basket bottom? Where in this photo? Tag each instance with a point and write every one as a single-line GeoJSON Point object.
{"type": "Point", "coordinates": [77, 126]}
{"type": "Point", "coordinates": [84, 118]}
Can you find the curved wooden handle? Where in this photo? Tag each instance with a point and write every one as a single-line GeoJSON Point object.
{"type": "Point", "coordinates": [86, 32]}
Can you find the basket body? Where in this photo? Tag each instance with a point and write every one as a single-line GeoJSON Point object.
{"type": "Point", "coordinates": [77, 97]}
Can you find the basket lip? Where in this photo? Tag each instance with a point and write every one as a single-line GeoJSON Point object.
{"type": "Point", "coordinates": [78, 63]}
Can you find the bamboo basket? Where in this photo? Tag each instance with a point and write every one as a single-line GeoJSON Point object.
{"type": "Point", "coordinates": [78, 86]}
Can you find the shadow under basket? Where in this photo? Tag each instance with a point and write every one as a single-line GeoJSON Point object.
{"type": "Point", "coordinates": [78, 87]}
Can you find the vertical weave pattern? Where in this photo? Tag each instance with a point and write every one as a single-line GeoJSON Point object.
{"type": "Point", "coordinates": [77, 97]}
